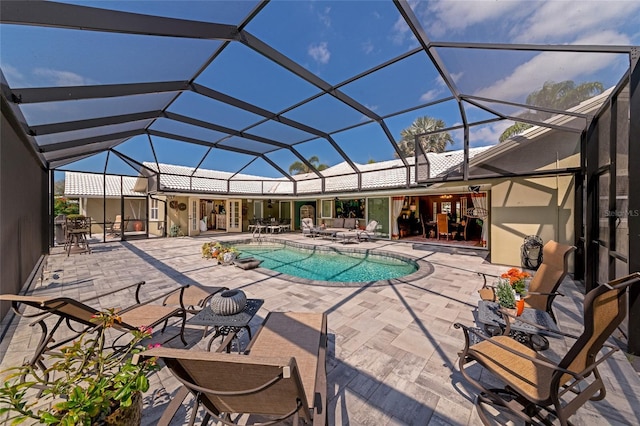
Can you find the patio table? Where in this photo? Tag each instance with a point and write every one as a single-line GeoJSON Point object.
{"type": "Point", "coordinates": [526, 333]}
{"type": "Point", "coordinates": [226, 324]}
{"type": "Point", "coordinates": [348, 236]}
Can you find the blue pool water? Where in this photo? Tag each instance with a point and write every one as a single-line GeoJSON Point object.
{"type": "Point", "coordinates": [320, 265]}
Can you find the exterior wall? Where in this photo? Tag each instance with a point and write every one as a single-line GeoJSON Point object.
{"type": "Point", "coordinates": [534, 206]}
{"type": "Point", "coordinates": [93, 208]}
{"type": "Point", "coordinates": [178, 217]}
{"type": "Point", "coordinates": [157, 226]}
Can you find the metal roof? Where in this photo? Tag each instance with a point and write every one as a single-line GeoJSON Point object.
{"type": "Point", "coordinates": [217, 86]}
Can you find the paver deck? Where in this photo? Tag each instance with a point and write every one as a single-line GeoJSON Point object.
{"type": "Point", "coordinates": [392, 355]}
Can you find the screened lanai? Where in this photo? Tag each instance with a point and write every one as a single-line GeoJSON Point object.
{"type": "Point", "coordinates": [251, 88]}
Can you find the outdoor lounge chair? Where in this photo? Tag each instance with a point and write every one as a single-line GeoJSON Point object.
{"type": "Point", "coordinates": [308, 229]}
{"type": "Point", "coordinates": [282, 374]}
{"type": "Point", "coordinates": [77, 315]}
{"type": "Point", "coordinates": [543, 287]}
{"type": "Point", "coordinates": [533, 384]}
{"type": "Point", "coordinates": [369, 231]}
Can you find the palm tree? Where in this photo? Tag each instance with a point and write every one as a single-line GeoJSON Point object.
{"type": "Point", "coordinates": [436, 142]}
{"type": "Point", "coordinates": [563, 95]}
{"type": "Point", "coordinates": [298, 167]}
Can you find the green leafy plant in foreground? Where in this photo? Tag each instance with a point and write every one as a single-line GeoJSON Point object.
{"type": "Point", "coordinates": [85, 381]}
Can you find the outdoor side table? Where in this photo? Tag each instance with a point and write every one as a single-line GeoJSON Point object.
{"type": "Point", "coordinates": [225, 324]}
{"type": "Point", "coordinates": [489, 316]}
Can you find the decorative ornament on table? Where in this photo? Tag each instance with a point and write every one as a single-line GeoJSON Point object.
{"type": "Point", "coordinates": [228, 302]}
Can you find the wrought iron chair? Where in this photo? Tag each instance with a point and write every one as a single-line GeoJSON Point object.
{"type": "Point", "coordinates": [77, 316]}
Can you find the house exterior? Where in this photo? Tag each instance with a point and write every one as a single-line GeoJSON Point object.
{"type": "Point", "coordinates": [177, 200]}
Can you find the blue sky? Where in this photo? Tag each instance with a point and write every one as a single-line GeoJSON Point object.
{"type": "Point", "coordinates": [334, 40]}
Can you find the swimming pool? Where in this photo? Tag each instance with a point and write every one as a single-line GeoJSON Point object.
{"type": "Point", "coordinates": [316, 263]}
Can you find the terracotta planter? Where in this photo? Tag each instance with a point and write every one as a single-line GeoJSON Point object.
{"type": "Point", "coordinates": [519, 307]}
{"type": "Point", "coordinates": [137, 225]}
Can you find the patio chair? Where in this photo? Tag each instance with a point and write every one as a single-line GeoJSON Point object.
{"type": "Point", "coordinates": [308, 230]}
{"type": "Point", "coordinates": [282, 375]}
{"type": "Point", "coordinates": [543, 287]}
{"type": "Point", "coordinates": [442, 224]}
{"type": "Point", "coordinates": [77, 315]}
{"type": "Point", "coordinates": [193, 298]}
{"type": "Point", "coordinates": [116, 226]}
{"type": "Point", "coordinates": [535, 385]}
{"type": "Point", "coordinates": [369, 231]}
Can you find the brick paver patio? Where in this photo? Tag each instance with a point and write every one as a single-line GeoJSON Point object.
{"type": "Point", "coordinates": [392, 349]}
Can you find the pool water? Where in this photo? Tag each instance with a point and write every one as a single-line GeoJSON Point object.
{"type": "Point", "coordinates": [321, 265]}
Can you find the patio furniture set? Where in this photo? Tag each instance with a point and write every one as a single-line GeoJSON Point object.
{"type": "Point", "coordinates": [536, 388]}
{"type": "Point", "coordinates": [281, 373]}
{"type": "Point", "coordinates": [272, 226]}
{"type": "Point", "coordinates": [342, 229]}
{"type": "Point", "coordinates": [75, 231]}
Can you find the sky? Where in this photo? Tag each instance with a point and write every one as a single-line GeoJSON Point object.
{"type": "Point", "coordinates": [334, 40]}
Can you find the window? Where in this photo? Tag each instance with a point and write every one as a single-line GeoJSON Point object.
{"type": "Point", "coordinates": [326, 209]}
{"type": "Point", "coordinates": [154, 208]}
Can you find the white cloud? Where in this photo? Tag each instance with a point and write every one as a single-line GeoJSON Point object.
{"type": "Point", "coordinates": [319, 52]}
{"type": "Point", "coordinates": [400, 31]}
{"type": "Point", "coordinates": [430, 95]}
{"type": "Point", "coordinates": [556, 19]}
{"type": "Point", "coordinates": [367, 47]}
{"type": "Point", "coordinates": [325, 16]}
{"type": "Point", "coordinates": [14, 77]}
{"type": "Point", "coordinates": [525, 21]}
{"type": "Point", "coordinates": [552, 66]}
{"type": "Point", "coordinates": [445, 16]}
{"type": "Point", "coordinates": [61, 78]}
{"type": "Point", "coordinates": [457, 76]}
{"type": "Point", "coordinates": [489, 134]}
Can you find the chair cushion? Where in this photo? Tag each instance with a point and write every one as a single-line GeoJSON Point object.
{"type": "Point", "coordinates": [349, 223]}
{"type": "Point", "coordinates": [338, 222]}
{"type": "Point", "coordinates": [528, 378]}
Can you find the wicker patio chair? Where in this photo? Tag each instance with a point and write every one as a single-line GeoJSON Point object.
{"type": "Point", "coordinates": [543, 287]}
{"type": "Point", "coordinates": [535, 386]}
{"type": "Point", "coordinates": [282, 374]}
{"type": "Point", "coordinates": [77, 316]}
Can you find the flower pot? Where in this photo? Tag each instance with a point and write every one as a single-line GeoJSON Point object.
{"type": "Point", "coordinates": [228, 302]}
{"type": "Point", "coordinates": [511, 311]}
{"type": "Point", "coordinates": [137, 225]}
{"type": "Point", "coordinates": [126, 416]}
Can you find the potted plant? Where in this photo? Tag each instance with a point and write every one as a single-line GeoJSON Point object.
{"type": "Point", "coordinates": [517, 280]}
{"type": "Point", "coordinates": [506, 296]}
{"type": "Point", "coordinates": [87, 383]}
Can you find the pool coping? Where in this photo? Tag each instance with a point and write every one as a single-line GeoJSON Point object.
{"type": "Point", "coordinates": [424, 268]}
